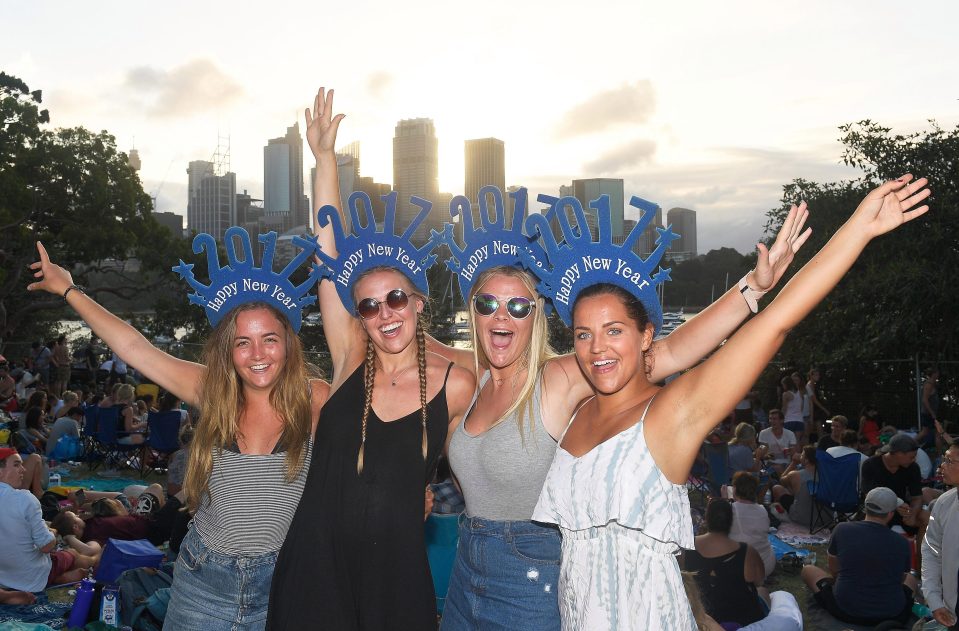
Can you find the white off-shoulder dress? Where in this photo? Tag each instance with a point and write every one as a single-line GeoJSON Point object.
{"type": "Point", "coordinates": [622, 523]}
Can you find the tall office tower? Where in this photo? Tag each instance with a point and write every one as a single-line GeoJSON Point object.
{"type": "Point", "coordinates": [485, 165]}
{"type": "Point", "coordinates": [415, 172]}
{"type": "Point", "coordinates": [588, 190]}
{"type": "Point", "coordinates": [283, 180]}
{"type": "Point", "coordinates": [211, 205]}
{"type": "Point", "coordinates": [347, 172]}
{"type": "Point", "coordinates": [683, 222]}
{"type": "Point", "coordinates": [133, 159]}
{"type": "Point", "coordinates": [564, 191]}
{"type": "Point", "coordinates": [249, 212]}
{"type": "Point", "coordinates": [376, 191]}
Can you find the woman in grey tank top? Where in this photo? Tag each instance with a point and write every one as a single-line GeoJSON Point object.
{"type": "Point", "coordinates": [507, 566]}
{"type": "Point", "coordinates": [252, 358]}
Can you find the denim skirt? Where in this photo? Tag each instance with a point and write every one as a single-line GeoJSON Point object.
{"type": "Point", "coordinates": [505, 577]}
{"type": "Point", "coordinates": [218, 592]}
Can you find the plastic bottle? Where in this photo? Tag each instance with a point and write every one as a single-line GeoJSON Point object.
{"type": "Point", "coordinates": [921, 611]}
{"type": "Point", "coordinates": [81, 606]}
{"type": "Point", "coordinates": [55, 478]}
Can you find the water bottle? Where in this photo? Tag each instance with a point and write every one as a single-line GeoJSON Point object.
{"type": "Point", "coordinates": [81, 606]}
{"type": "Point", "coordinates": [768, 497]}
{"type": "Point", "coordinates": [55, 478]}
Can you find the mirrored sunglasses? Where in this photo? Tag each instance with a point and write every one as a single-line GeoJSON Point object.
{"type": "Point", "coordinates": [368, 308]}
{"type": "Point", "coordinates": [517, 307]}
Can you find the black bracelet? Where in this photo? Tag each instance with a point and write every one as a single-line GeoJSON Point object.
{"type": "Point", "coordinates": [71, 288]}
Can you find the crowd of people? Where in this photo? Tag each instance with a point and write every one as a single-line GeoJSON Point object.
{"type": "Point", "coordinates": [573, 468]}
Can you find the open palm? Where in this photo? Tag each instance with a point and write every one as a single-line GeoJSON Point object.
{"type": "Point", "coordinates": [889, 206]}
{"type": "Point", "coordinates": [321, 125]}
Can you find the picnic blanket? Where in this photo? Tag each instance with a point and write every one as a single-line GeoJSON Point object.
{"type": "Point", "coordinates": [52, 614]}
{"type": "Point", "coordinates": [797, 535]}
{"type": "Point", "coordinates": [109, 484]}
{"type": "Point", "coordinates": [781, 548]}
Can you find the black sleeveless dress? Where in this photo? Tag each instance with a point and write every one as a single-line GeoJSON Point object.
{"type": "Point", "coordinates": [355, 555]}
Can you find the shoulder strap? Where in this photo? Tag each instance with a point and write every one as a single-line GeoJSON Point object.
{"type": "Point", "coordinates": [573, 418]}
{"type": "Point", "coordinates": [643, 417]}
{"type": "Point", "coordinates": [448, 370]}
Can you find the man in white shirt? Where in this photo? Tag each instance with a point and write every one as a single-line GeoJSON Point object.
{"type": "Point", "coordinates": [781, 441]}
{"type": "Point", "coordinates": [29, 562]}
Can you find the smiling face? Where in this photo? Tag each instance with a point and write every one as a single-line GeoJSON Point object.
{"type": "Point", "coordinates": [259, 348]}
{"type": "Point", "coordinates": [391, 330]}
{"type": "Point", "coordinates": [608, 342]}
{"type": "Point", "coordinates": [504, 339]}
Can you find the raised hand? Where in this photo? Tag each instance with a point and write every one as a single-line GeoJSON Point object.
{"type": "Point", "coordinates": [887, 207]}
{"type": "Point", "coordinates": [321, 125]}
{"type": "Point", "coordinates": [774, 262]}
{"type": "Point", "coordinates": [52, 277]}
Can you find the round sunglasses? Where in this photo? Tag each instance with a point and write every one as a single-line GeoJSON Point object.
{"type": "Point", "coordinates": [369, 308]}
{"type": "Point", "coordinates": [517, 307]}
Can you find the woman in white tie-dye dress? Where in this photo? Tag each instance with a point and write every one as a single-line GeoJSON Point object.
{"type": "Point", "coordinates": [615, 485]}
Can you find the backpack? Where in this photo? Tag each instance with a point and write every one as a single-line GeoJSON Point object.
{"type": "Point", "coordinates": [144, 596]}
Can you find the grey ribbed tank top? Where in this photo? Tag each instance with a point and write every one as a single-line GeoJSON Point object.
{"type": "Point", "coordinates": [500, 471]}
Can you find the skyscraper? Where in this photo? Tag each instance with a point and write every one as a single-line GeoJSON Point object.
{"type": "Point", "coordinates": [415, 171]}
{"type": "Point", "coordinates": [683, 222]}
{"type": "Point", "coordinates": [283, 197]}
{"type": "Point", "coordinates": [588, 190]}
{"type": "Point", "coordinates": [211, 202]}
{"type": "Point", "coordinates": [485, 165]}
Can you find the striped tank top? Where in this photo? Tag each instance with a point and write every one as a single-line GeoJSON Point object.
{"type": "Point", "coordinates": [250, 504]}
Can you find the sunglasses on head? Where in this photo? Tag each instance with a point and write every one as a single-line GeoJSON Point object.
{"type": "Point", "coordinates": [369, 308]}
{"type": "Point", "coordinates": [517, 307]}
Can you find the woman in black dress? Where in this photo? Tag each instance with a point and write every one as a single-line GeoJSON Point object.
{"type": "Point", "coordinates": [355, 555]}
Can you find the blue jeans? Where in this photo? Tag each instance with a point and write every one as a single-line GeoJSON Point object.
{"type": "Point", "coordinates": [505, 577]}
{"type": "Point", "coordinates": [218, 592]}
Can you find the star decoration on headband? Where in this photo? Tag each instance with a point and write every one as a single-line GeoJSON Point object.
{"type": "Point", "coordinates": [492, 244]}
{"type": "Point", "coordinates": [368, 247]}
{"type": "Point", "coordinates": [578, 261]}
{"type": "Point", "coordinates": [241, 281]}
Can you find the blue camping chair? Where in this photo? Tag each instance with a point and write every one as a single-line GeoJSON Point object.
{"type": "Point", "coordinates": [442, 536]}
{"type": "Point", "coordinates": [93, 451]}
{"type": "Point", "coordinates": [107, 434]}
{"type": "Point", "coordinates": [834, 490]}
{"type": "Point", "coordinates": [163, 439]}
{"type": "Point", "coordinates": [716, 456]}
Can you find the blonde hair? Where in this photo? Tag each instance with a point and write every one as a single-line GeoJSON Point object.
{"type": "Point", "coordinates": [221, 396]}
{"type": "Point", "coordinates": [537, 353]}
{"type": "Point", "coordinates": [124, 394]}
{"type": "Point", "coordinates": [744, 433]}
{"type": "Point", "coordinates": [369, 365]}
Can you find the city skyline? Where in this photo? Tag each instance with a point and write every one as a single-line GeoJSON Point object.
{"type": "Point", "coordinates": [697, 105]}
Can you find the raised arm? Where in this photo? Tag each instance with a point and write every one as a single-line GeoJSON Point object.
{"type": "Point", "coordinates": [344, 335]}
{"type": "Point", "coordinates": [180, 377]}
{"type": "Point", "coordinates": [692, 404]}
{"type": "Point", "coordinates": [696, 338]}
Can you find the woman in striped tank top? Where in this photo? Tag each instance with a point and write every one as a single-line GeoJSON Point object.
{"type": "Point", "coordinates": [248, 458]}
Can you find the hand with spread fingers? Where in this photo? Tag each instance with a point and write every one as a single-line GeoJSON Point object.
{"type": "Point", "coordinates": [889, 206]}
{"type": "Point", "coordinates": [51, 277]}
{"type": "Point", "coordinates": [321, 125]}
{"type": "Point", "coordinates": [773, 262]}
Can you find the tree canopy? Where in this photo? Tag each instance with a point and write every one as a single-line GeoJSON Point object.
{"type": "Point", "coordinates": [73, 190]}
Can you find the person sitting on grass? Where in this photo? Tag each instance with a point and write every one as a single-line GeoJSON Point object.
{"type": "Point", "coordinates": [750, 520]}
{"type": "Point", "coordinates": [868, 581]}
{"type": "Point", "coordinates": [791, 495]}
{"type": "Point", "coordinates": [729, 573]}
{"type": "Point", "coordinates": [29, 561]}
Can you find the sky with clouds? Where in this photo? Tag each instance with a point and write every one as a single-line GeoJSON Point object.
{"type": "Point", "coordinates": [706, 105]}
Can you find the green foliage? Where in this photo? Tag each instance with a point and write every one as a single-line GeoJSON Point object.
{"type": "Point", "coordinates": [698, 282]}
{"type": "Point", "coordinates": [898, 300]}
{"type": "Point", "coordinates": [73, 190]}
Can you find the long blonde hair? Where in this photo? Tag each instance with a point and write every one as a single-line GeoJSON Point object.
{"type": "Point", "coordinates": [537, 353]}
{"type": "Point", "coordinates": [221, 397]}
{"type": "Point", "coordinates": [369, 365]}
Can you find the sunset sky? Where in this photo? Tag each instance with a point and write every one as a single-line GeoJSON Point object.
{"type": "Point", "coordinates": [707, 105]}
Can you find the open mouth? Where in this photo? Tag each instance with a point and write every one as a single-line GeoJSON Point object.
{"type": "Point", "coordinates": [501, 338]}
{"type": "Point", "coordinates": [604, 365]}
{"type": "Point", "coordinates": [260, 368]}
{"type": "Point", "coordinates": [390, 330]}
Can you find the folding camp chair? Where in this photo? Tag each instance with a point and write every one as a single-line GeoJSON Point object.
{"type": "Point", "coordinates": [93, 451]}
{"type": "Point", "coordinates": [108, 433]}
{"type": "Point", "coordinates": [717, 464]}
{"type": "Point", "coordinates": [834, 490]}
{"type": "Point", "coordinates": [162, 441]}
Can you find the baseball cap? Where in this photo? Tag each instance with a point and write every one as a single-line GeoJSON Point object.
{"type": "Point", "coordinates": [882, 500]}
{"type": "Point", "coordinates": [900, 442]}
{"type": "Point", "coordinates": [6, 452]}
